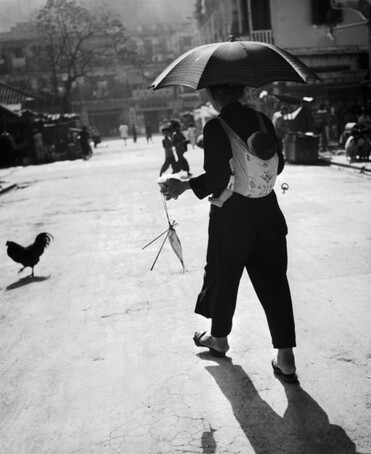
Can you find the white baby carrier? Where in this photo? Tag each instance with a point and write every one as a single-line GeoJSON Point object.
{"type": "Point", "coordinates": [253, 177]}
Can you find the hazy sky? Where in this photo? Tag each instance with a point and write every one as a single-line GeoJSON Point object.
{"type": "Point", "coordinates": [132, 12]}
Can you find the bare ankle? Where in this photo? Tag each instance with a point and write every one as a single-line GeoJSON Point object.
{"type": "Point", "coordinates": [285, 353]}
{"type": "Point", "coordinates": [221, 342]}
{"type": "Point", "coordinates": [286, 359]}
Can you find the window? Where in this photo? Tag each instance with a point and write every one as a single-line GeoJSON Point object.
{"type": "Point", "coordinates": [235, 29]}
{"type": "Point", "coordinates": [17, 52]}
{"type": "Point", "coordinates": [323, 14]}
{"type": "Point", "coordinates": [244, 17]}
{"type": "Point", "coordinates": [260, 15]}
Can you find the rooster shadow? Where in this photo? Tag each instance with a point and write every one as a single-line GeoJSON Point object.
{"type": "Point", "coordinates": [26, 281]}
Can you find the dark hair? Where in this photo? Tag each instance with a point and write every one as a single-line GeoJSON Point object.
{"type": "Point", "coordinates": [174, 124]}
{"type": "Point", "coordinates": [229, 90]}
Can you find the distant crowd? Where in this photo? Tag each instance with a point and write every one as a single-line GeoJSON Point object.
{"type": "Point", "coordinates": [336, 126]}
{"type": "Point", "coordinates": [358, 143]}
{"type": "Point", "coordinates": [38, 147]}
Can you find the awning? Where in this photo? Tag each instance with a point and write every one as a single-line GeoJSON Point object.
{"type": "Point", "coordinates": [10, 95]}
{"type": "Point", "coordinates": [6, 113]}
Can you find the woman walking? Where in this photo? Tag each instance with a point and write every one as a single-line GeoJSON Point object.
{"type": "Point", "coordinates": [248, 231]}
{"type": "Point", "coordinates": [169, 155]}
{"type": "Point", "coordinates": [180, 145]}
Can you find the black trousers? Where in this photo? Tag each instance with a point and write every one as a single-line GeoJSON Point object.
{"type": "Point", "coordinates": [182, 162]}
{"type": "Point", "coordinates": [248, 233]}
{"type": "Point", "coordinates": [169, 161]}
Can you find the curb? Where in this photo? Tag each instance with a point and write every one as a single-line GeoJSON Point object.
{"type": "Point", "coordinates": [348, 166]}
{"type": "Point", "coordinates": [7, 188]}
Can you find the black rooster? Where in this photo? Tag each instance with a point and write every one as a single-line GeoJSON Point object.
{"type": "Point", "coordinates": [30, 255]}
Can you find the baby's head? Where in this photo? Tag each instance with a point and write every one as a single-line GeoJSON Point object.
{"type": "Point", "coordinates": [262, 145]}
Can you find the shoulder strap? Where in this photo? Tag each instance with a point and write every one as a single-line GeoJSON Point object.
{"type": "Point", "coordinates": [226, 126]}
{"type": "Point", "coordinates": [230, 133]}
{"type": "Point", "coordinates": [262, 122]}
{"type": "Point", "coordinates": [234, 136]}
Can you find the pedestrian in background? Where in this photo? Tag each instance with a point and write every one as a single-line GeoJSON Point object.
{"type": "Point", "coordinates": [84, 138]}
{"type": "Point", "coordinates": [280, 124]}
{"type": "Point", "coordinates": [323, 128]}
{"type": "Point", "coordinates": [8, 150]}
{"type": "Point", "coordinates": [180, 145]}
{"type": "Point", "coordinates": [365, 145]}
{"type": "Point", "coordinates": [124, 130]}
{"type": "Point", "coordinates": [246, 232]}
{"type": "Point", "coordinates": [134, 133]}
{"type": "Point", "coordinates": [358, 145]}
{"type": "Point", "coordinates": [351, 145]}
{"type": "Point", "coordinates": [38, 145]}
{"type": "Point", "coordinates": [148, 132]}
{"type": "Point", "coordinates": [364, 120]}
{"type": "Point", "coordinates": [167, 144]}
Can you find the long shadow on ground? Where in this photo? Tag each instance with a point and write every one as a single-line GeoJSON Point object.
{"type": "Point", "coordinates": [304, 428]}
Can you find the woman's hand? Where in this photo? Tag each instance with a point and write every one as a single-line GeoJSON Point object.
{"type": "Point", "coordinates": [174, 188]}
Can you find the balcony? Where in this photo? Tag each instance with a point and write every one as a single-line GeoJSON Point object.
{"type": "Point", "coordinates": [262, 36]}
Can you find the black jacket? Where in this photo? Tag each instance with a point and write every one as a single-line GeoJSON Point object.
{"type": "Point", "coordinates": [217, 148]}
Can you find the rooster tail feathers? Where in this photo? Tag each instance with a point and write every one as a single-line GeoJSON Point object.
{"type": "Point", "coordinates": [44, 238]}
{"type": "Point", "coordinates": [41, 242]}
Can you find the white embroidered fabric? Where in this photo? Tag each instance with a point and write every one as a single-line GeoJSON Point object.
{"type": "Point", "coordinates": [253, 177]}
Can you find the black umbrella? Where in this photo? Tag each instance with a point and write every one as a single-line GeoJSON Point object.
{"type": "Point", "coordinates": [249, 63]}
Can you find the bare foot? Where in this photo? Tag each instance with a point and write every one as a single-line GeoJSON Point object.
{"type": "Point", "coordinates": [219, 344]}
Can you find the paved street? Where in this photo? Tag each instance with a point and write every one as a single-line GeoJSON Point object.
{"type": "Point", "coordinates": [96, 351]}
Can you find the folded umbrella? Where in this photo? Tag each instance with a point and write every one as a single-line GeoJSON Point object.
{"type": "Point", "coordinates": [249, 63]}
{"type": "Point", "coordinates": [170, 233]}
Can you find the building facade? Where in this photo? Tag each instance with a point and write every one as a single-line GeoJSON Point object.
{"type": "Point", "coordinates": [154, 47]}
{"type": "Point", "coordinates": [106, 97]}
{"type": "Point", "coordinates": [330, 36]}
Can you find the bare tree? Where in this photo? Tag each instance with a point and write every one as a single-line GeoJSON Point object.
{"type": "Point", "coordinates": [76, 40]}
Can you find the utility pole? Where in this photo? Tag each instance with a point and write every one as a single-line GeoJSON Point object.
{"type": "Point", "coordinates": [369, 48]}
{"type": "Point", "coordinates": [363, 8]}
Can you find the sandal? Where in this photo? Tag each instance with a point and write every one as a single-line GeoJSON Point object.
{"type": "Point", "coordinates": [197, 341]}
{"type": "Point", "coordinates": [287, 378]}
